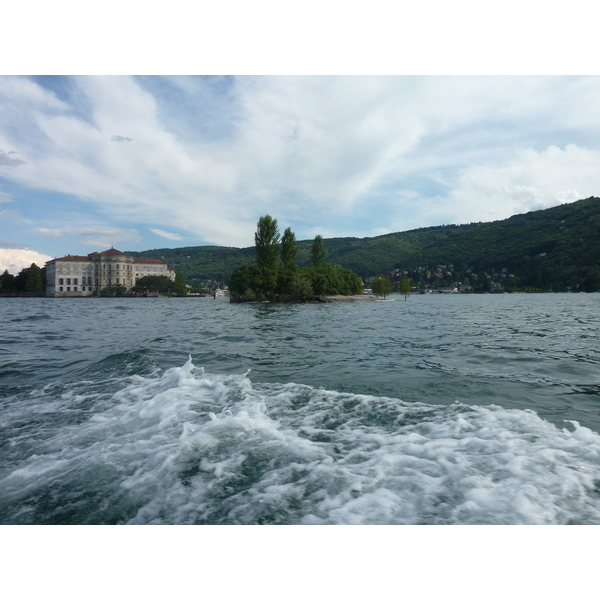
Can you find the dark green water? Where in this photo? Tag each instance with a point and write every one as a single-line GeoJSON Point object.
{"type": "Point", "coordinates": [441, 409]}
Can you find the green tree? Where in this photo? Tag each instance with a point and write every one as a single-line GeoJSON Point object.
{"type": "Point", "coordinates": [115, 289]}
{"type": "Point", "coordinates": [317, 253]}
{"type": "Point", "coordinates": [21, 279]}
{"type": "Point", "coordinates": [7, 282]}
{"type": "Point", "coordinates": [405, 287]}
{"type": "Point", "coordinates": [153, 284]}
{"type": "Point", "coordinates": [301, 287]}
{"type": "Point", "coordinates": [592, 283]}
{"type": "Point", "coordinates": [251, 283]}
{"type": "Point", "coordinates": [482, 283]}
{"type": "Point", "coordinates": [33, 282]}
{"type": "Point", "coordinates": [289, 250]}
{"type": "Point", "coordinates": [179, 287]}
{"type": "Point", "coordinates": [266, 241]}
{"type": "Point", "coordinates": [536, 279]}
{"type": "Point", "coordinates": [241, 281]}
{"type": "Point", "coordinates": [382, 285]}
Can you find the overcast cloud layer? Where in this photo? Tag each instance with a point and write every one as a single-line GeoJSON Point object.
{"type": "Point", "coordinates": [146, 162]}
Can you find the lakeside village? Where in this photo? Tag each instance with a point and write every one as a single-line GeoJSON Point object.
{"type": "Point", "coordinates": [276, 276]}
{"type": "Point", "coordinates": [114, 273]}
{"type": "Point", "coordinates": [443, 280]}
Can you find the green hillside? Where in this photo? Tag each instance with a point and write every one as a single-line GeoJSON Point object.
{"type": "Point", "coordinates": [555, 248]}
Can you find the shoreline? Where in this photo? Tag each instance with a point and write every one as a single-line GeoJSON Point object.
{"type": "Point", "coordinates": [340, 298]}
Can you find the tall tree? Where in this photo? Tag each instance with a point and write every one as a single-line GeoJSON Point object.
{"type": "Point", "coordinates": [289, 250]}
{"type": "Point", "coordinates": [405, 287]}
{"type": "Point", "coordinates": [382, 285]}
{"type": "Point", "coordinates": [7, 282]}
{"type": "Point", "coordinates": [266, 240]}
{"type": "Point", "coordinates": [21, 279]}
{"type": "Point", "coordinates": [179, 287]}
{"type": "Point", "coordinates": [33, 283]}
{"type": "Point", "coordinates": [317, 253]}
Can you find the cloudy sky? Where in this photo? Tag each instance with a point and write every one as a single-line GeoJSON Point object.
{"type": "Point", "coordinates": [147, 162]}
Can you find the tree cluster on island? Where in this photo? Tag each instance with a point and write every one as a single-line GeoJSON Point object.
{"type": "Point", "coordinates": [276, 276]}
{"type": "Point", "coordinates": [30, 280]}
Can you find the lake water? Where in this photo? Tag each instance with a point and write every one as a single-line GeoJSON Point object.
{"type": "Point", "coordinates": [437, 410]}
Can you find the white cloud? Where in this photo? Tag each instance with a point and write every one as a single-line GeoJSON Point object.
{"type": "Point", "coordinates": [17, 259]}
{"type": "Point", "coordinates": [166, 234]}
{"type": "Point", "coordinates": [311, 151]}
{"type": "Point", "coordinates": [5, 198]}
{"type": "Point", "coordinates": [531, 180]}
{"type": "Point", "coordinates": [9, 161]}
{"type": "Point", "coordinates": [95, 235]}
{"type": "Point", "coordinates": [50, 232]}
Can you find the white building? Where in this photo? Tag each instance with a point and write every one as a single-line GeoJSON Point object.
{"type": "Point", "coordinates": [90, 275]}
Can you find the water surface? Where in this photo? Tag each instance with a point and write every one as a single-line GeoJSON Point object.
{"type": "Point", "coordinates": [441, 409]}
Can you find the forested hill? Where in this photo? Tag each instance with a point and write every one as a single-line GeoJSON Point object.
{"type": "Point", "coordinates": [554, 248]}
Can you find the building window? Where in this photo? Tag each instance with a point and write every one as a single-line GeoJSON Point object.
{"type": "Point", "coordinates": [75, 281]}
{"type": "Point", "coordinates": [75, 289]}
{"type": "Point", "coordinates": [60, 289]}
{"type": "Point", "coordinates": [68, 281]}
{"type": "Point", "coordinates": [61, 281]}
{"type": "Point", "coordinates": [68, 289]}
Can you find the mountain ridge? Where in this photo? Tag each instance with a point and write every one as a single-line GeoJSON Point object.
{"type": "Point", "coordinates": [553, 248]}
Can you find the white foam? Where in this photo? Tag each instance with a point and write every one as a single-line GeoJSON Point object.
{"type": "Point", "coordinates": [190, 447]}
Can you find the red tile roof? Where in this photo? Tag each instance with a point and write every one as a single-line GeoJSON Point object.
{"type": "Point", "coordinates": [153, 261]}
{"type": "Point", "coordinates": [74, 257]}
{"type": "Point", "coordinates": [113, 252]}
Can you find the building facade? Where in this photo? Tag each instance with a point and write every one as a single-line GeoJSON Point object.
{"type": "Point", "coordinates": [98, 272]}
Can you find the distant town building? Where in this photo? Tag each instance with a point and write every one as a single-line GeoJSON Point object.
{"type": "Point", "coordinates": [72, 276]}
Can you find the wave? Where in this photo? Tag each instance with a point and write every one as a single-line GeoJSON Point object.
{"type": "Point", "coordinates": [191, 447]}
{"type": "Point", "coordinates": [42, 317]}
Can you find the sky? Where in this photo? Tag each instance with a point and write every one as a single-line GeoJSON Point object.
{"type": "Point", "coordinates": [141, 162]}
